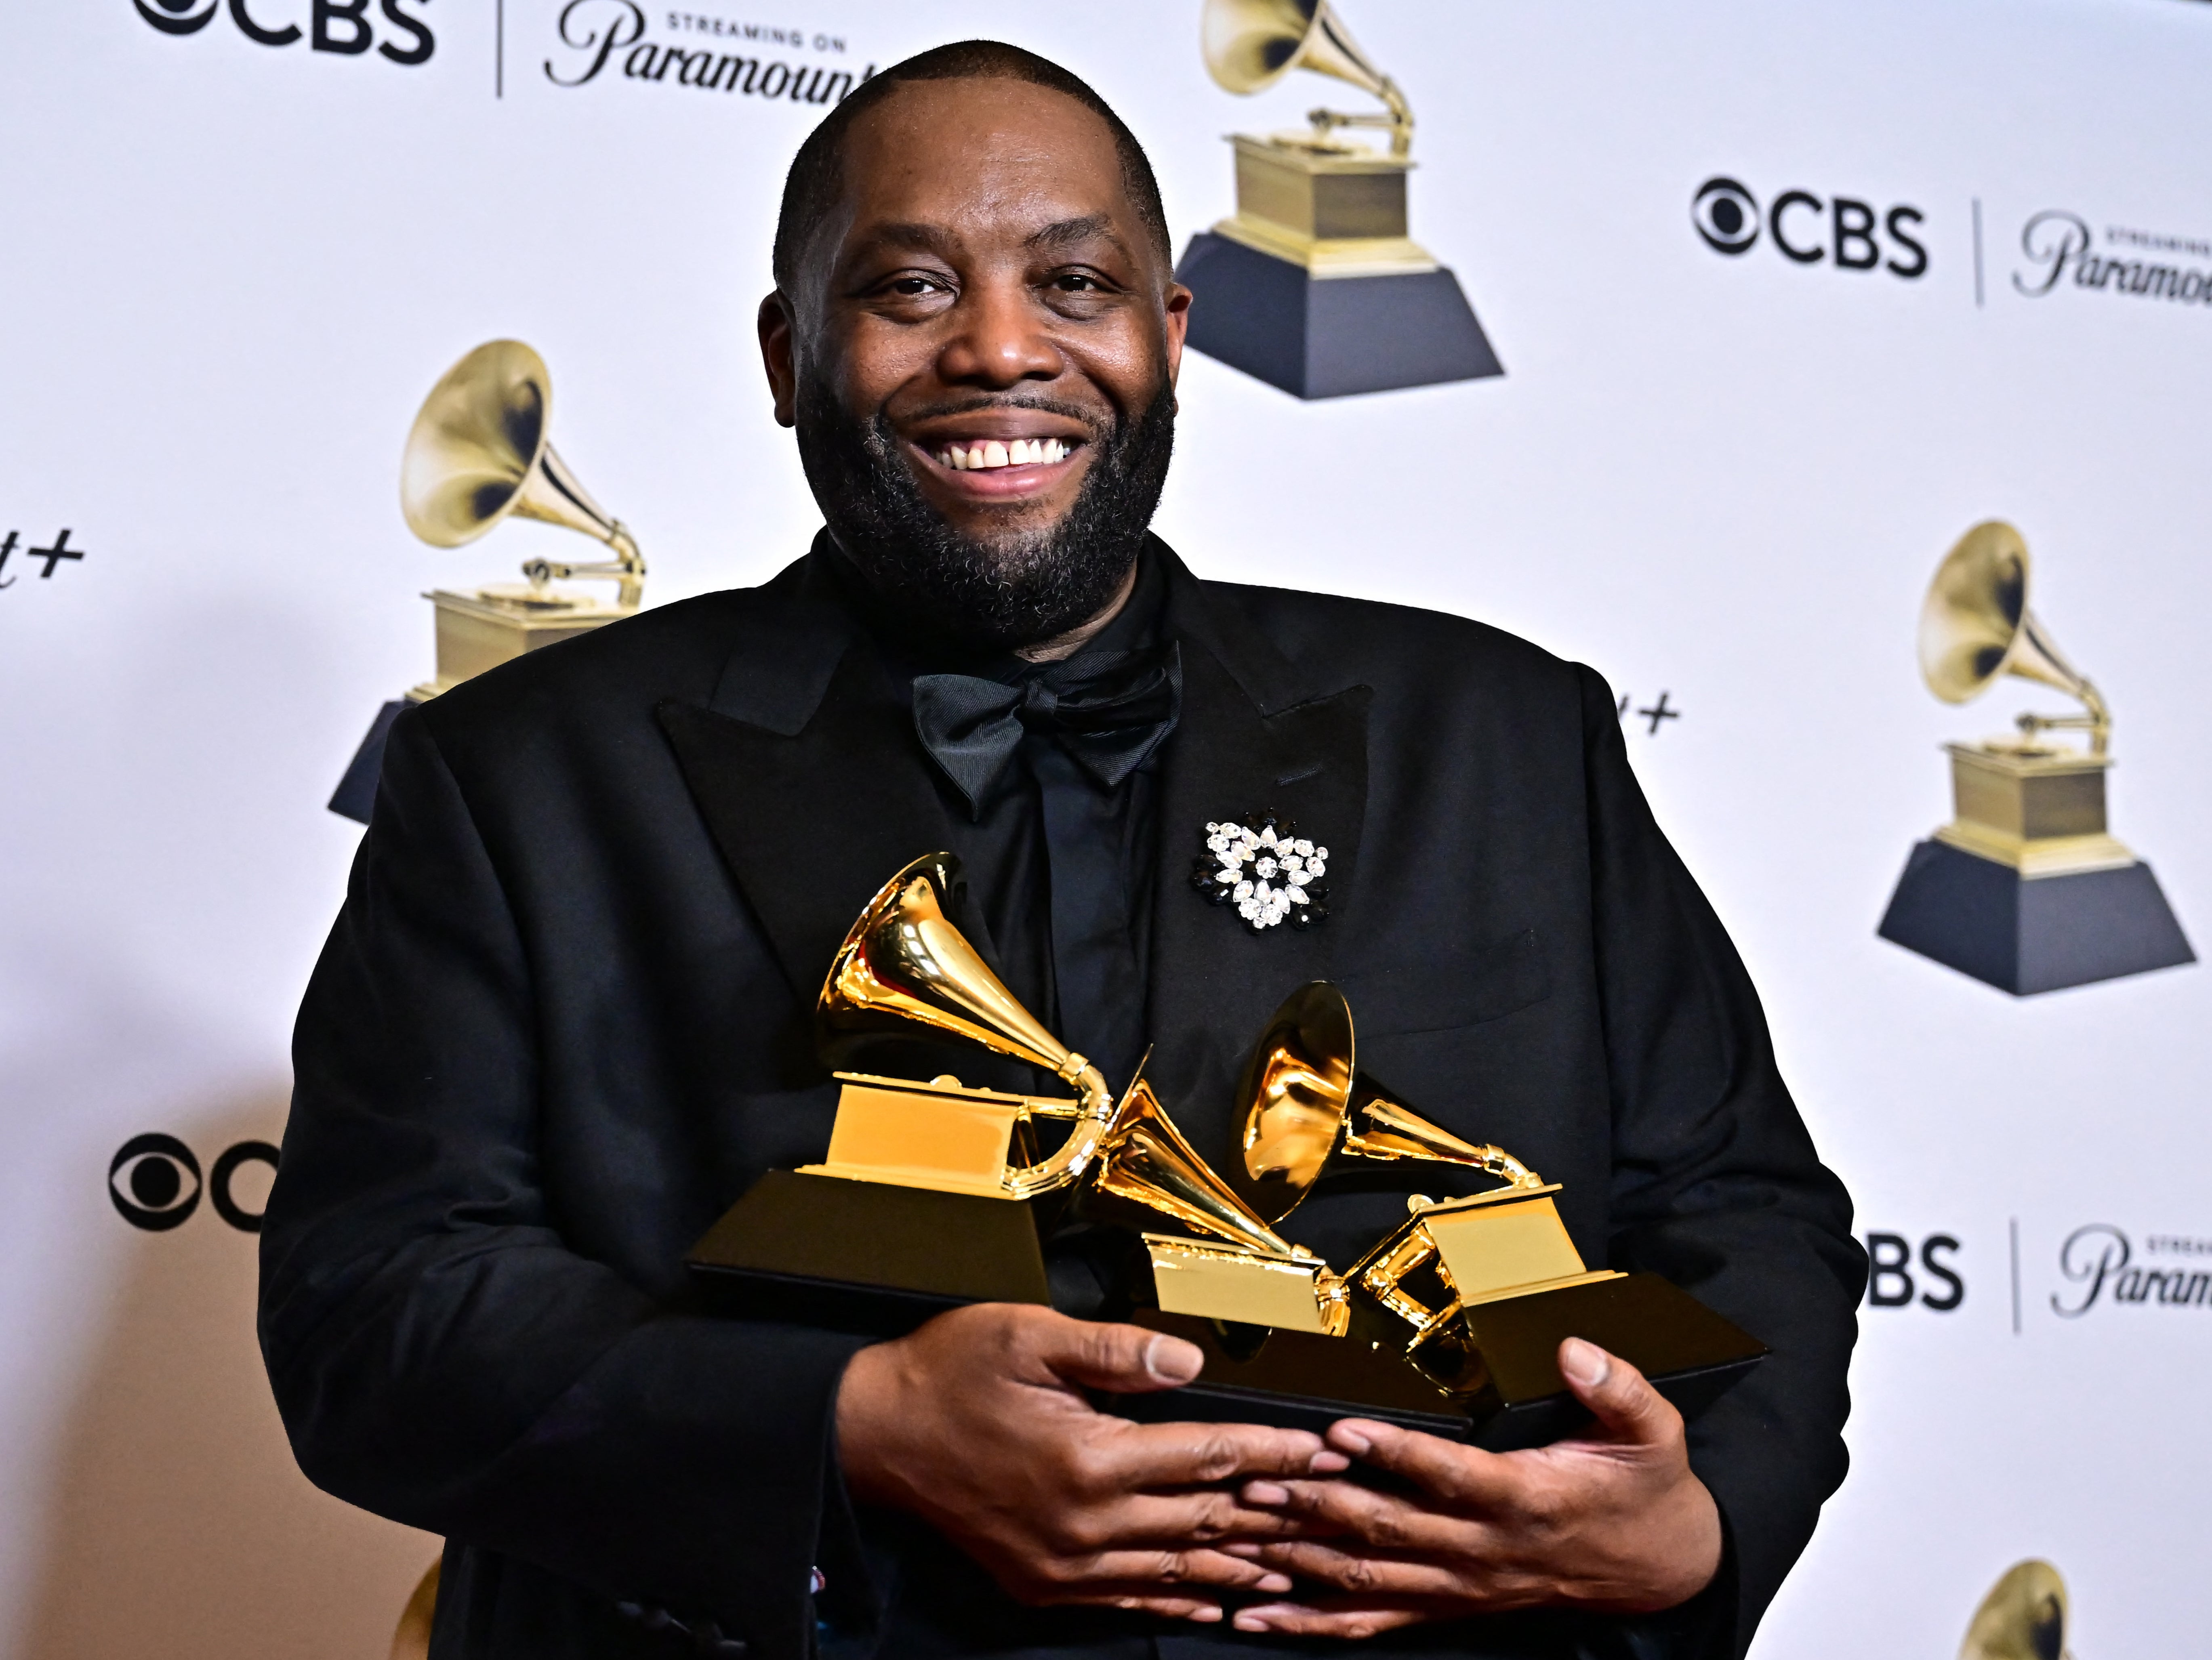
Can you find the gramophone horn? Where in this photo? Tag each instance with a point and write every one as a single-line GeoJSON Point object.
{"type": "Point", "coordinates": [478, 453]}
{"type": "Point", "coordinates": [1145, 1162]}
{"type": "Point", "coordinates": [904, 964]}
{"type": "Point", "coordinates": [1976, 628]}
{"type": "Point", "coordinates": [1250, 44]}
{"type": "Point", "coordinates": [2022, 1618]}
{"type": "Point", "coordinates": [1305, 1107]}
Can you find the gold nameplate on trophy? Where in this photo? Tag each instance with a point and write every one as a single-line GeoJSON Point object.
{"type": "Point", "coordinates": [478, 455]}
{"type": "Point", "coordinates": [940, 1134]}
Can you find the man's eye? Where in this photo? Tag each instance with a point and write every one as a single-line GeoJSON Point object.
{"type": "Point", "coordinates": [1076, 281]}
{"type": "Point", "coordinates": [912, 288]}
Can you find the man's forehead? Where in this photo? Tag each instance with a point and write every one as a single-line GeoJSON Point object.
{"type": "Point", "coordinates": [1004, 155]}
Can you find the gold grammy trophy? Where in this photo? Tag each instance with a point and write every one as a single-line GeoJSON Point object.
{"type": "Point", "coordinates": [478, 454]}
{"type": "Point", "coordinates": [2026, 888]}
{"type": "Point", "coordinates": [1507, 1283]}
{"type": "Point", "coordinates": [934, 1194]}
{"type": "Point", "coordinates": [1315, 284]}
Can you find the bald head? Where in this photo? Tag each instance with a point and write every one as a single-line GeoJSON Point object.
{"type": "Point", "coordinates": [815, 185]}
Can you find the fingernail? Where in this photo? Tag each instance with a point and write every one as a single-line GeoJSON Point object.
{"type": "Point", "coordinates": [1172, 1360]}
{"type": "Point", "coordinates": [1584, 1363]}
{"type": "Point", "coordinates": [1352, 1441]}
{"type": "Point", "coordinates": [1204, 1616]}
{"type": "Point", "coordinates": [1275, 1582]}
{"type": "Point", "coordinates": [1243, 1547]}
{"type": "Point", "coordinates": [1328, 1463]}
{"type": "Point", "coordinates": [1265, 1492]}
{"type": "Point", "coordinates": [1248, 1619]}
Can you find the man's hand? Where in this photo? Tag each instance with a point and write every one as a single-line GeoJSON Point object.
{"type": "Point", "coordinates": [1615, 1521]}
{"type": "Point", "coordinates": [977, 1424]}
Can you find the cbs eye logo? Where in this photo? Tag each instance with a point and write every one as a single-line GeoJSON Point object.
{"type": "Point", "coordinates": [1842, 231]}
{"type": "Point", "coordinates": [154, 1182]}
{"type": "Point", "coordinates": [179, 16]}
{"type": "Point", "coordinates": [1726, 215]}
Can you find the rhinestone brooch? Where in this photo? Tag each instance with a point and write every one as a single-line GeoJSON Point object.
{"type": "Point", "coordinates": [1261, 865]}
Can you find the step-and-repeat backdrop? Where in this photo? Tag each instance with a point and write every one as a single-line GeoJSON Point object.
{"type": "Point", "coordinates": [1786, 299]}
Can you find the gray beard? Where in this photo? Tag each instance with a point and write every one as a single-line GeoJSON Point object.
{"type": "Point", "coordinates": [1008, 592]}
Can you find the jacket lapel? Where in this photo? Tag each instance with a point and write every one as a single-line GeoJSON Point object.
{"type": "Point", "coordinates": [807, 772]}
{"type": "Point", "coordinates": [1256, 734]}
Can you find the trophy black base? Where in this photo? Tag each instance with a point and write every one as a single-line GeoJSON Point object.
{"type": "Point", "coordinates": [1329, 336]}
{"type": "Point", "coordinates": [357, 792]}
{"type": "Point", "coordinates": [865, 1257]}
{"type": "Point", "coordinates": [1299, 1381]}
{"type": "Point", "coordinates": [2027, 936]}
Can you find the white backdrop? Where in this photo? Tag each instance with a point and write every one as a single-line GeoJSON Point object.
{"type": "Point", "coordinates": [232, 269]}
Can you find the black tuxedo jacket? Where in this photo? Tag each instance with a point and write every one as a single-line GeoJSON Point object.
{"type": "Point", "coordinates": [562, 1022]}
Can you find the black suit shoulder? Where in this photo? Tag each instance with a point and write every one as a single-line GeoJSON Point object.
{"type": "Point", "coordinates": [1393, 648]}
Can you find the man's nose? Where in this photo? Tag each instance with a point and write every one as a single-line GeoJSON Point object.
{"type": "Point", "coordinates": [1000, 339]}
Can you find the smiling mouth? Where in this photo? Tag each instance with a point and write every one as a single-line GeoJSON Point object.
{"type": "Point", "coordinates": [990, 453]}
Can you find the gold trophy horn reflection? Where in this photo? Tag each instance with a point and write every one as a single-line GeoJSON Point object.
{"type": "Point", "coordinates": [905, 970]}
{"type": "Point", "coordinates": [479, 454]}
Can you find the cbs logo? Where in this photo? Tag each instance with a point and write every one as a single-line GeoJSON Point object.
{"type": "Point", "coordinates": [338, 26]}
{"type": "Point", "coordinates": [154, 1182]}
{"type": "Point", "coordinates": [1843, 230]}
{"type": "Point", "coordinates": [1890, 1283]}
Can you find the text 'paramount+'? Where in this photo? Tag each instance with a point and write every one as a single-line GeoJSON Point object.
{"type": "Point", "coordinates": [597, 34]}
{"type": "Point", "coordinates": [2146, 265]}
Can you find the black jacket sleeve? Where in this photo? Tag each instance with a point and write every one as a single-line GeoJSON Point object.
{"type": "Point", "coordinates": [439, 1354]}
{"type": "Point", "coordinates": [1715, 1182]}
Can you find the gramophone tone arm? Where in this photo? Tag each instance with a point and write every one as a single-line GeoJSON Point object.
{"type": "Point", "coordinates": [1399, 120]}
{"type": "Point", "coordinates": [1490, 1159]}
{"type": "Point", "coordinates": [626, 569]}
{"type": "Point", "coordinates": [2098, 722]}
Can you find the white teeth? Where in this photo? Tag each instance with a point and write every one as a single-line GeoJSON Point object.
{"type": "Point", "coordinates": [1010, 452]}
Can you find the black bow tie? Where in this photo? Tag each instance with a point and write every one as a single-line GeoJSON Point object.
{"type": "Point", "coordinates": [1109, 709]}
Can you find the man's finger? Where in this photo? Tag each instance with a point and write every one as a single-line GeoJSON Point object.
{"type": "Point", "coordinates": [1152, 1455]}
{"type": "Point", "coordinates": [1154, 1572]}
{"type": "Point", "coordinates": [1618, 1395]}
{"type": "Point", "coordinates": [1380, 1519]}
{"type": "Point", "coordinates": [1342, 1619]}
{"type": "Point", "coordinates": [1366, 1575]}
{"type": "Point", "coordinates": [1166, 1607]}
{"type": "Point", "coordinates": [1201, 1519]}
{"type": "Point", "coordinates": [1124, 1359]}
{"type": "Point", "coordinates": [1465, 1477]}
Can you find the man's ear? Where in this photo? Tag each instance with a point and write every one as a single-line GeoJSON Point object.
{"type": "Point", "coordinates": [777, 357]}
{"type": "Point", "coordinates": [1177, 305]}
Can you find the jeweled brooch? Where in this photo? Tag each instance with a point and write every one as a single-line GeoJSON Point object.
{"type": "Point", "coordinates": [1266, 869]}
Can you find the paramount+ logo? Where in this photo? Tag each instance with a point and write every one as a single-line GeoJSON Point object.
{"type": "Point", "coordinates": [395, 28]}
{"type": "Point", "coordinates": [1843, 232]}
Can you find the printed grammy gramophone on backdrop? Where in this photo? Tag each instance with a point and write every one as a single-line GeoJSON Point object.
{"type": "Point", "coordinates": [2026, 888]}
{"type": "Point", "coordinates": [480, 452]}
{"type": "Point", "coordinates": [1315, 284]}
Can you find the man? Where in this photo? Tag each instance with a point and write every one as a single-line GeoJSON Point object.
{"type": "Point", "coordinates": [563, 1022]}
